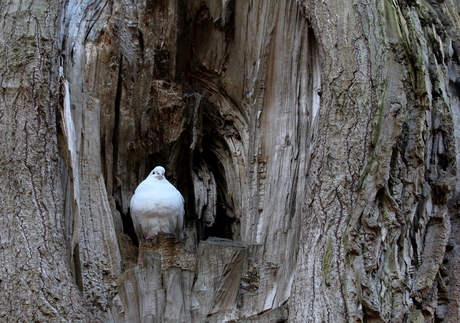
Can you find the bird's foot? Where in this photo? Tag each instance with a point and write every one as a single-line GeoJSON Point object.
{"type": "Point", "coordinates": [151, 238]}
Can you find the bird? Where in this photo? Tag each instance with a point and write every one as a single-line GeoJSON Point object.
{"type": "Point", "coordinates": [156, 206]}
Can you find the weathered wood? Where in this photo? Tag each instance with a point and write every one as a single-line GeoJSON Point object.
{"type": "Point", "coordinates": [315, 139]}
{"type": "Point", "coordinates": [220, 268]}
{"type": "Point", "coordinates": [173, 253]}
{"type": "Point", "coordinates": [215, 284]}
{"type": "Point", "coordinates": [257, 159]}
{"type": "Point", "coordinates": [197, 115]}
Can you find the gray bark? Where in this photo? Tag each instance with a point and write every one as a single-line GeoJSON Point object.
{"type": "Point", "coordinates": [35, 281]}
{"type": "Point", "coordinates": [316, 140]}
{"type": "Point", "coordinates": [384, 167]}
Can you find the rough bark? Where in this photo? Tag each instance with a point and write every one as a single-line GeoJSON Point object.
{"type": "Point", "coordinates": [35, 279]}
{"type": "Point", "coordinates": [315, 139]}
{"type": "Point", "coordinates": [384, 166]}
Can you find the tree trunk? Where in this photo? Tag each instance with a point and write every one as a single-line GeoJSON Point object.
{"type": "Point", "coordinates": [384, 167]}
{"type": "Point", "coordinates": [314, 143]}
{"type": "Point", "coordinates": [35, 280]}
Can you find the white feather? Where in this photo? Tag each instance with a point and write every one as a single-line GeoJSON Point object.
{"type": "Point", "coordinates": [157, 206]}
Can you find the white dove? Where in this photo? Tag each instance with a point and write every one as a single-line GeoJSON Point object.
{"type": "Point", "coordinates": [156, 206]}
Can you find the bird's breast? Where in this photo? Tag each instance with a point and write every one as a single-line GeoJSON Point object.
{"type": "Point", "coordinates": [158, 202]}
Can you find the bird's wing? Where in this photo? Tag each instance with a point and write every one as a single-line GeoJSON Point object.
{"type": "Point", "coordinates": [136, 224]}
{"type": "Point", "coordinates": [180, 217]}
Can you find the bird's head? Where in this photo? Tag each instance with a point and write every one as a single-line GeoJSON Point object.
{"type": "Point", "coordinates": [158, 172]}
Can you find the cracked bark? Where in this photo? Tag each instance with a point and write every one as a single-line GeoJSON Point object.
{"type": "Point", "coordinates": [319, 136]}
{"type": "Point", "coordinates": [388, 91]}
{"type": "Point", "coordinates": [35, 276]}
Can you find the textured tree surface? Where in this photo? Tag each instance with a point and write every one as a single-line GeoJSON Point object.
{"type": "Point", "coordinates": [314, 142]}
{"type": "Point", "coordinates": [35, 279]}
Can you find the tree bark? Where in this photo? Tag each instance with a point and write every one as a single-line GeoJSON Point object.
{"type": "Point", "coordinates": [35, 281]}
{"type": "Point", "coordinates": [384, 166]}
{"type": "Point", "coordinates": [314, 143]}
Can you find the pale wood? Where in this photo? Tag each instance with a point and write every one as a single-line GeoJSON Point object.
{"type": "Point", "coordinates": [316, 139]}
{"type": "Point", "coordinates": [223, 281]}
